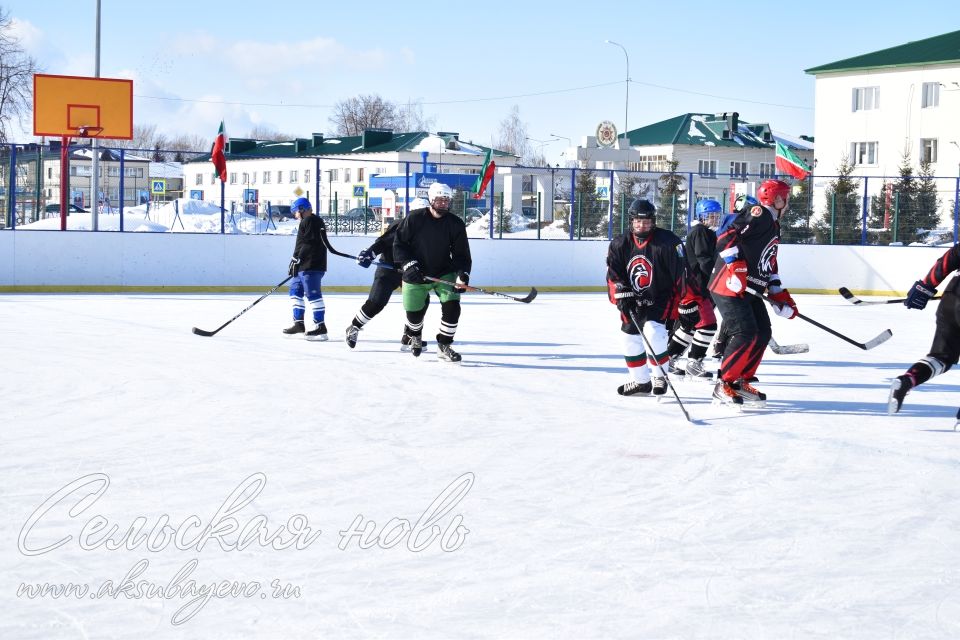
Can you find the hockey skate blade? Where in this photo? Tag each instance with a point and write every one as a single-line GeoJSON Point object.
{"type": "Point", "coordinates": [892, 406]}
{"type": "Point", "coordinates": [323, 337]}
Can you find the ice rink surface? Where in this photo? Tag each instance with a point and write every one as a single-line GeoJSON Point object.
{"type": "Point", "coordinates": [514, 496]}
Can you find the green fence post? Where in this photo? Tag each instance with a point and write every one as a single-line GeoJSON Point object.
{"type": "Point", "coordinates": [896, 214]}
{"type": "Point", "coordinates": [501, 216]}
{"type": "Point", "coordinates": [336, 202]}
{"type": "Point", "coordinates": [539, 204]}
{"type": "Point", "coordinates": [833, 216]}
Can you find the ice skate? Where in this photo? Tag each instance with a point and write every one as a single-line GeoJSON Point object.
{"type": "Point", "coordinates": [446, 353]}
{"type": "Point", "coordinates": [405, 343]}
{"type": "Point", "coordinates": [351, 337]}
{"type": "Point", "coordinates": [675, 368]}
{"type": "Point", "coordinates": [752, 397]}
{"type": "Point", "coordinates": [659, 386]}
{"type": "Point", "coordinates": [296, 328]}
{"type": "Point", "coordinates": [695, 370]}
{"type": "Point", "coordinates": [317, 334]}
{"type": "Point", "coordinates": [899, 388]}
{"type": "Point", "coordinates": [415, 344]}
{"type": "Point", "coordinates": [723, 393]}
{"type": "Point", "coordinates": [634, 388]}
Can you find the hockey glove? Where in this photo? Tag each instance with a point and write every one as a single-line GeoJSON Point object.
{"type": "Point", "coordinates": [736, 277]}
{"type": "Point", "coordinates": [365, 258]}
{"type": "Point", "coordinates": [462, 278]}
{"type": "Point", "coordinates": [786, 307]}
{"type": "Point", "coordinates": [689, 315]}
{"type": "Point", "coordinates": [625, 299]}
{"type": "Point", "coordinates": [294, 266]}
{"type": "Point", "coordinates": [412, 273]}
{"type": "Point", "coordinates": [919, 295]}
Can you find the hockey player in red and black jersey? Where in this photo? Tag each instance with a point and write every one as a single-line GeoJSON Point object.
{"type": "Point", "coordinates": [697, 322]}
{"type": "Point", "coordinates": [945, 350]}
{"type": "Point", "coordinates": [747, 259]}
{"type": "Point", "coordinates": [645, 270]}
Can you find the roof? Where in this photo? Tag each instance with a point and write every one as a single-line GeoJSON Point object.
{"type": "Point", "coordinates": [936, 50]}
{"type": "Point", "coordinates": [371, 141]}
{"type": "Point", "coordinates": [704, 130]}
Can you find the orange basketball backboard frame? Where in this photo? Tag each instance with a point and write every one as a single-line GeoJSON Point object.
{"type": "Point", "coordinates": [70, 106]}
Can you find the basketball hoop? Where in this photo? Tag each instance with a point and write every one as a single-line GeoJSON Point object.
{"type": "Point", "coordinates": [89, 131]}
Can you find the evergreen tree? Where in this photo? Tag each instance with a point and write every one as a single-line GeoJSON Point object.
{"type": "Point", "coordinates": [672, 209]}
{"type": "Point", "coordinates": [880, 220]}
{"type": "Point", "coordinates": [795, 224]}
{"type": "Point", "coordinates": [631, 186]}
{"type": "Point", "coordinates": [928, 203]}
{"type": "Point", "coordinates": [841, 221]}
{"type": "Point", "coordinates": [589, 213]}
{"type": "Point", "coordinates": [905, 191]}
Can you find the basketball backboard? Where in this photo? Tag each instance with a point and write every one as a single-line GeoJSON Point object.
{"type": "Point", "coordinates": [77, 106]}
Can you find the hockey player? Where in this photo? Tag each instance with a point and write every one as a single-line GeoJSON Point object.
{"type": "Point", "coordinates": [307, 267]}
{"type": "Point", "coordinates": [945, 350]}
{"type": "Point", "coordinates": [742, 203]}
{"type": "Point", "coordinates": [697, 322]}
{"type": "Point", "coordinates": [746, 267]}
{"type": "Point", "coordinates": [645, 272]}
{"type": "Point", "coordinates": [385, 280]}
{"type": "Point", "coordinates": [434, 243]}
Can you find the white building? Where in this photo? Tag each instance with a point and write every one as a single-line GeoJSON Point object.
{"type": "Point", "coordinates": [873, 109]}
{"type": "Point", "coordinates": [338, 169]}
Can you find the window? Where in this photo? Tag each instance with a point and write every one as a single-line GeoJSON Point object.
{"type": "Point", "coordinates": [346, 175]}
{"type": "Point", "coordinates": [738, 169]}
{"type": "Point", "coordinates": [137, 172]}
{"type": "Point", "coordinates": [233, 177]}
{"type": "Point", "coordinates": [360, 174]}
{"type": "Point", "coordinates": [866, 98]}
{"type": "Point", "coordinates": [246, 179]}
{"type": "Point", "coordinates": [213, 178]}
{"type": "Point", "coordinates": [767, 170]}
{"type": "Point", "coordinates": [279, 177]}
{"type": "Point", "coordinates": [863, 153]}
{"type": "Point", "coordinates": [49, 173]}
{"type": "Point", "coordinates": [113, 172]}
{"type": "Point", "coordinates": [928, 150]}
{"type": "Point", "coordinates": [199, 180]}
{"type": "Point", "coordinates": [334, 175]}
{"type": "Point", "coordinates": [931, 95]}
{"type": "Point", "coordinates": [267, 177]}
{"type": "Point", "coordinates": [306, 175]}
{"type": "Point", "coordinates": [707, 168]}
{"type": "Point", "coordinates": [253, 178]}
{"type": "Point", "coordinates": [650, 163]}
{"type": "Point", "coordinates": [293, 177]}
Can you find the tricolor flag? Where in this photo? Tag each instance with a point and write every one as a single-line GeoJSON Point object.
{"type": "Point", "coordinates": [216, 156]}
{"type": "Point", "coordinates": [790, 163]}
{"type": "Point", "coordinates": [486, 174]}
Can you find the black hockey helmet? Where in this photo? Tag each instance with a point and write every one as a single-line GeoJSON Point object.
{"type": "Point", "coordinates": [642, 209]}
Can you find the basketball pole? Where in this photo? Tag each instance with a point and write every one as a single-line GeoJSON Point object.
{"type": "Point", "coordinates": [94, 147]}
{"type": "Point", "coordinates": [64, 173]}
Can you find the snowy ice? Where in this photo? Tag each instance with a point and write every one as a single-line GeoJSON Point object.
{"type": "Point", "coordinates": [566, 510]}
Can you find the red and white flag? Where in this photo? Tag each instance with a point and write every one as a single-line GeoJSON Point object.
{"type": "Point", "coordinates": [217, 157]}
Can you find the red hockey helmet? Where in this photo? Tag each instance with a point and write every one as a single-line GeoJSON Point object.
{"type": "Point", "coordinates": [770, 189]}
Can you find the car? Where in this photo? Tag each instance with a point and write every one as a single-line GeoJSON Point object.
{"type": "Point", "coordinates": [54, 207]}
{"type": "Point", "coordinates": [358, 213]}
{"type": "Point", "coordinates": [280, 211]}
{"type": "Point", "coordinates": [472, 214]}
{"type": "Point", "coordinates": [530, 213]}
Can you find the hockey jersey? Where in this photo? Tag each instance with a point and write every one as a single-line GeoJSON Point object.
{"type": "Point", "coordinates": [439, 244]}
{"type": "Point", "coordinates": [311, 245]}
{"type": "Point", "coordinates": [701, 249]}
{"type": "Point", "coordinates": [754, 237]}
{"type": "Point", "coordinates": [945, 265]}
{"type": "Point", "coordinates": [652, 268]}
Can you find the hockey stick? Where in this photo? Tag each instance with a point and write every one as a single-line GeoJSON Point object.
{"type": "Point", "coordinates": [646, 343]}
{"type": "Point", "coordinates": [849, 297]}
{"type": "Point", "coordinates": [526, 299]}
{"type": "Point", "coordinates": [207, 334]}
{"type": "Point", "coordinates": [882, 337]}
{"type": "Point", "coordinates": [784, 349]}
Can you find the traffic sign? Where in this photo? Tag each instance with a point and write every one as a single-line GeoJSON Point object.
{"type": "Point", "coordinates": [358, 191]}
{"type": "Point", "coordinates": [158, 186]}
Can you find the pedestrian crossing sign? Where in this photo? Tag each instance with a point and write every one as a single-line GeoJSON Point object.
{"type": "Point", "coordinates": [158, 186]}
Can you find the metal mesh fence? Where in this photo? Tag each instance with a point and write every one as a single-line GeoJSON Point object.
{"type": "Point", "coordinates": [156, 190]}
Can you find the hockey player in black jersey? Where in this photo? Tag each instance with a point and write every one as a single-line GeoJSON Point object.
{"type": "Point", "coordinates": [945, 350]}
{"type": "Point", "coordinates": [645, 272]}
{"type": "Point", "coordinates": [434, 243]}
{"type": "Point", "coordinates": [697, 322]}
{"type": "Point", "coordinates": [747, 258]}
{"type": "Point", "coordinates": [385, 281]}
{"type": "Point", "coordinates": [307, 266]}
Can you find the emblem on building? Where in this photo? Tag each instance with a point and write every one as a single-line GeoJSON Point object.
{"type": "Point", "coordinates": [606, 134]}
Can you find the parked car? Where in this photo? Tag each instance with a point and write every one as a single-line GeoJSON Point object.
{"type": "Point", "coordinates": [472, 214]}
{"type": "Point", "coordinates": [358, 213]}
{"type": "Point", "coordinates": [54, 207]}
{"type": "Point", "coordinates": [279, 211]}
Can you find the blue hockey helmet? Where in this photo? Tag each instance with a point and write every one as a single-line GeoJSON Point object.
{"type": "Point", "coordinates": [706, 208]}
{"type": "Point", "coordinates": [743, 202]}
{"type": "Point", "coordinates": [300, 204]}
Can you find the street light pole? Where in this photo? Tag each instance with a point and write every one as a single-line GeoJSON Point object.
{"type": "Point", "coordinates": [94, 147]}
{"type": "Point", "coordinates": [626, 109]}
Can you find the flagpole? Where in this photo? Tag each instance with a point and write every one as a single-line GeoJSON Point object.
{"type": "Point", "coordinates": [223, 189]}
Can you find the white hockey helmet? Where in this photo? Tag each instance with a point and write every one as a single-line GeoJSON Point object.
{"type": "Point", "coordinates": [437, 192]}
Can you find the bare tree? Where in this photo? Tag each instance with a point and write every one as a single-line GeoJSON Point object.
{"type": "Point", "coordinates": [512, 136]}
{"type": "Point", "coordinates": [263, 132]}
{"type": "Point", "coordinates": [352, 116]}
{"type": "Point", "coordinates": [410, 118]}
{"type": "Point", "coordinates": [16, 78]}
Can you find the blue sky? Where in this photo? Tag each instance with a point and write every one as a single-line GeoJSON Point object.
{"type": "Point", "coordinates": [283, 64]}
